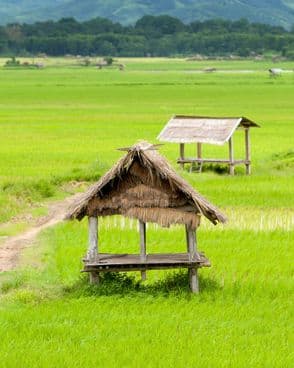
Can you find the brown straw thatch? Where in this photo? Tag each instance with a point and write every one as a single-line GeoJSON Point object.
{"type": "Point", "coordinates": [143, 185]}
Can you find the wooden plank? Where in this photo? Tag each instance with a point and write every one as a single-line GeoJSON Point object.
{"type": "Point", "coordinates": [135, 268]}
{"type": "Point", "coordinates": [231, 156]}
{"type": "Point", "coordinates": [136, 259]}
{"type": "Point", "coordinates": [142, 229]}
{"type": "Point", "coordinates": [247, 152]}
{"type": "Point", "coordinates": [113, 260]}
{"type": "Point", "coordinates": [210, 160]}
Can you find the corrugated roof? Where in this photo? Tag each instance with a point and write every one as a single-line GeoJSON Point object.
{"type": "Point", "coordinates": [202, 129]}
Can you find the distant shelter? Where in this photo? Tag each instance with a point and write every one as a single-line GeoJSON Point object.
{"type": "Point", "coordinates": [183, 129]}
{"type": "Point", "coordinates": [142, 185]}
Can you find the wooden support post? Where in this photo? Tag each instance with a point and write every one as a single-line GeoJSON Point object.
{"type": "Point", "coordinates": [193, 279]}
{"type": "Point", "coordinates": [187, 238]}
{"type": "Point", "coordinates": [199, 155]}
{"type": "Point", "coordinates": [94, 278]}
{"type": "Point", "coordinates": [247, 152]}
{"type": "Point", "coordinates": [182, 154]}
{"type": "Point", "coordinates": [142, 229]}
{"type": "Point", "coordinates": [231, 156]}
{"type": "Point", "coordinates": [191, 243]}
{"type": "Point", "coordinates": [192, 251]}
{"type": "Point", "coordinates": [93, 246]}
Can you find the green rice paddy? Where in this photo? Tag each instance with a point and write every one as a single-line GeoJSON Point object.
{"type": "Point", "coordinates": [62, 124]}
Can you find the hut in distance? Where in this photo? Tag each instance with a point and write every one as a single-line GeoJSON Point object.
{"type": "Point", "coordinates": [200, 130]}
{"type": "Point", "coordinates": [142, 185]}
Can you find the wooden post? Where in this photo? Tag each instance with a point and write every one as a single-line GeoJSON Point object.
{"type": "Point", "coordinates": [193, 278]}
{"type": "Point", "coordinates": [142, 229]}
{"type": "Point", "coordinates": [182, 154]}
{"type": "Point", "coordinates": [192, 251]}
{"type": "Point", "coordinates": [187, 238]}
{"type": "Point", "coordinates": [199, 150]}
{"type": "Point", "coordinates": [199, 155]}
{"type": "Point", "coordinates": [231, 156]}
{"type": "Point", "coordinates": [93, 246]}
{"type": "Point", "coordinates": [247, 152]}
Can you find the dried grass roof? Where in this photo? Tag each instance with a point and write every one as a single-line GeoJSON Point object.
{"type": "Point", "coordinates": [202, 129]}
{"type": "Point", "coordinates": [143, 185]}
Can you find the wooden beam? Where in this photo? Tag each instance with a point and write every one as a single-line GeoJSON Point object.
{"type": "Point", "coordinates": [192, 252]}
{"type": "Point", "coordinates": [247, 152]}
{"type": "Point", "coordinates": [182, 154]}
{"type": "Point", "coordinates": [231, 156]}
{"type": "Point", "coordinates": [142, 229]}
{"type": "Point", "coordinates": [93, 246]}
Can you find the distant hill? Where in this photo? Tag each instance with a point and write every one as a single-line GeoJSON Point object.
{"type": "Point", "coordinates": [276, 12]}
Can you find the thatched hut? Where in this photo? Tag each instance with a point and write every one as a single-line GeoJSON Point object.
{"type": "Point", "coordinates": [142, 185]}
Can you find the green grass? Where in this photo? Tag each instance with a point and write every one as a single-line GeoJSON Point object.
{"type": "Point", "coordinates": [64, 124]}
{"type": "Point", "coordinates": [57, 123]}
{"type": "Point", "coordinates": [241, 318]}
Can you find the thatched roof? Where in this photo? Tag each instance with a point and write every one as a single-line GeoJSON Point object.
{"type": "Point", "coordinates": [143, 185]}
{"type": "Point", "coordinates": [202, 129]}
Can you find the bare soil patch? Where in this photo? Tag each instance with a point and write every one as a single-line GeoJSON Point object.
{"type": "Point", "coordinates": [12, 247]}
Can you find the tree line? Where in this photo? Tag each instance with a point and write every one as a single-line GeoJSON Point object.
{"type": "Point", "coordinates": [151, 36]}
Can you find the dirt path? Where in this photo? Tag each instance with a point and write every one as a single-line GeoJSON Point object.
{"type": "Point", "coordinates": [12, 247]}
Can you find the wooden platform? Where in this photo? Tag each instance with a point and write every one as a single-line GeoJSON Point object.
{"type": "Point", "coordinates": [107, 262]}
{"type": "Point", "coordinates": [190, 160]}
{"type": "Point", "coordinates": [200, 161]}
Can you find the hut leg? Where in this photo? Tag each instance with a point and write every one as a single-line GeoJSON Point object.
{"type": "Point", "coordinates": [187, 238]}
{"type": "Point", "coordinates": [93, 246]}
{"type": "Point", "coordinates": [182, 154]}
{"type": "Point", "coordinates": [94, 278]}
{"type": "Point", "coordinates": [193, 280]}
{"type": "Point", "coordinates": [199, 156]}
{"type": "Point", "coordinates": [142, 228]}
{"type": "Point", "coordinates": [247, 152]}
{"type": "Point", "coordinates": [192, 251]}
{"type": "Point", "coordinates": [231, 157]}
{"type": "Point", "coordinates": [191, 243]}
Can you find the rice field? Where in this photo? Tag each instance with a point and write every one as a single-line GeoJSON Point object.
{"type": "Point", "coordinates": [61, 125]}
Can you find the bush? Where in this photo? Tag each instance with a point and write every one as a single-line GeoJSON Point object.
{"type": "Point", "coordinates": [12, 62]}
{"type": "Point", "coordinates": [108, 60]}
{"type": "Point", "coordinates": [290, 55]}
{"type": "Point", "coordinates": [30, 191]}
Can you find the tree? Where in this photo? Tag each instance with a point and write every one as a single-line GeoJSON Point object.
{"type": "Point", "coordinates": [157, 26]}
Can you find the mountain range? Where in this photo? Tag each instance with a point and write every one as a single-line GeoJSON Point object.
{"type": "Point", "coordinates": [276, 12]}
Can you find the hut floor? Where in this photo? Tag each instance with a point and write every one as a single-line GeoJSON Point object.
{"type": "Point", "coordinates": [210, 160]}
{"type": "Point", "coordinates": [106, 262]}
